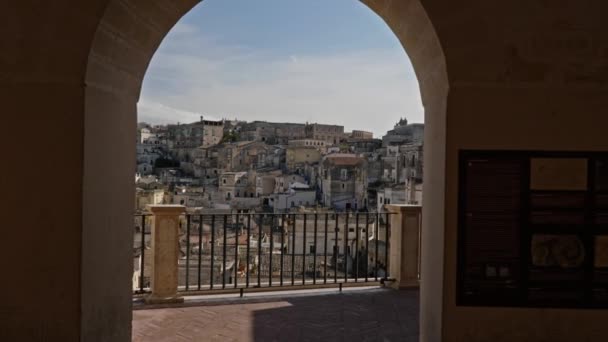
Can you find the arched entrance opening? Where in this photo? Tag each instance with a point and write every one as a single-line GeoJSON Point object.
{"type": "Point", "coordinates": [127, 37]}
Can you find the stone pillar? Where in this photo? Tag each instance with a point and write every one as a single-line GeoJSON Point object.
{"type": "Point", "coordinates": [165, 254]}
{"type": "Point", "coordinates": [404, 245]}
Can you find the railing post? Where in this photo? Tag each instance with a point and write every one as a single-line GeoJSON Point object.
{"type": "Point", "coordinates": [404, 245]}
{"type": "Point", "coordinates": [165, 254]}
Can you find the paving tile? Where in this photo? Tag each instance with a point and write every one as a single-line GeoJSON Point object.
{"type": "Point", "coordinates": [375, 315]}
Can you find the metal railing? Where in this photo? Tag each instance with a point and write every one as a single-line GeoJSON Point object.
{"type": "Point", "coordinates": [267, 250]}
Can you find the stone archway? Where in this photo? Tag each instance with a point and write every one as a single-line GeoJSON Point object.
{"type": "Point", "coordinates": [128, 35]}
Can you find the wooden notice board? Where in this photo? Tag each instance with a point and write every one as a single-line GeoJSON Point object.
{"type": "Point", "coordinates": [533, 229]}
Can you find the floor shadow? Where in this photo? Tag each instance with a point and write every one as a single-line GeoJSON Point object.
{"type": "Point", "coordinates": [378, 315]}
{"type": "Point", "coordinates": [354, 315]}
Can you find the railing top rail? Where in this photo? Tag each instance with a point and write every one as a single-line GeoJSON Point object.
{"type": "Point", "coordinates": [361, 213]}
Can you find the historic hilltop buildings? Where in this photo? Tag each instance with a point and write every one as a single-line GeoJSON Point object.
{"type": "Point", "coordinates": [279, 167]}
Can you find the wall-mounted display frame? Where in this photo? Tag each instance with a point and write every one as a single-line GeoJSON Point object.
{"type": "Point", "coordinates": [533, 229]}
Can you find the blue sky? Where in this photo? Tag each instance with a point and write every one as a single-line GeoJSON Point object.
{"type": "Point", "coordinates": [326, 61]}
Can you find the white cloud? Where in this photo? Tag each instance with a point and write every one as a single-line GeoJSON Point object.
{"type": "Point", "coordinates": [191, 74]}
{"type": "Point", "coordinates": [157, 113]}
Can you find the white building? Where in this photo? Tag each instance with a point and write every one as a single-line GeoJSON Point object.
{"type": "Point", "coordinates": [296, 197]}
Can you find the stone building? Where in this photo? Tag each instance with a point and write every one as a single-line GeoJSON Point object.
{"type": "Point", "coordinates": [144, 198]}
{"type": "Point", "coordinates": [293, 198]}
{"type": "Point", "coordinates": [146, 157]}
{"type": "Point", "coordinates": [331, 134]}
{"type": "Point", "coordinates": [412, 162]}
{"type": "Point", "coordinates": [233, 184]}
{"type": "Point", "coordinates": [360, 145]}
{"type": "Point", "coordinates": [299, 157]}
{"type": "Point", "coordinates": [265, 184]}
{"type": "Point", "coordinates": [399, 163]}
{"type": "Point", "coordinates": [246, 155]}
{"type": "Point", "coordinates": [318, 144]}
{"type": "Point", "coordinates": [284, 182]}
{"type": "Point", "coordinates": [271, 132]}
{"type": "Point", "coordinates": [392, 194]}
{"type": "Point", "coordinates": [357, 134]}
{"type": "Point", "coordinates": [344, 181]}
{"type": "Point", "coordinates": [204, 133]}
{"type": "Point", "coordinates": [148, 182]}
{"type": "Point", "coordinates": [404, 133]}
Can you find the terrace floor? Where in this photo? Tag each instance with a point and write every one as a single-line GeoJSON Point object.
{"type": "Point", "coordinates": [353, 315]}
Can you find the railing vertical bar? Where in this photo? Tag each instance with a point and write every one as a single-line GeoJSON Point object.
{"type": "Point", "coordinates": [142, 254]}
{"type": "Point", "coordinates": [224, 252]}
{"type": "Point", "coordinates": [304, 251]}
{"type": "Point", "coordinates": [247, 268]}
{"type": "Point", "coordinates": [314, 259]}
{"type": "Point", "coordinates": [356, 261]}
{"type": "Point", "coordinates": [282, 244]}
{"type": "Point", "coordinates": [346, 247]}
{"type": "Point", "coordinates": [187, 252]}
{"type": "Point", "coordinates": [366, 246]}
{"type": "Point", "coordinates": [386, 237]}
{"type": "Point", "coordinates": [271, 251]}
{"type": "Point", "coordinates": [200, 250]}
{"type": "Point", "coordinates": [236, 251]}
{"type": "Point", "coordinates": [293, 249]}
{"type": "Point", "coordinates": [336, 249]}
{"type": "Point", "coordinates": [325, 251]}
{"type": "Point", "coordinates": [212, 264]}
{"type": "Point", "coordinates": [377, 238]}
{"type": "Point", "coordinates": [260, 250]}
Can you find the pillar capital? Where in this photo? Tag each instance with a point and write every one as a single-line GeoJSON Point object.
{"type": "Point", "coordinates": [403, 208]}
{"type": "Point", "coordinates": [167, 210]}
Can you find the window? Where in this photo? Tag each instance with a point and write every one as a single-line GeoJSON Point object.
{"type": "Point", "coordinates": [344, 173]}
{"type": "Point", "coordinates": [293, 204]}
{"type": "Point", "coordinates": [312, 249]}
{"type": "Point", "coordinates": [224, 180]}
{"type": "Point", "coordinates": [343, 186]}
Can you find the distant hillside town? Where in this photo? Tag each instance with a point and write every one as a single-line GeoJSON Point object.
{"type": "Point", "coordinates": [235, 166]}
